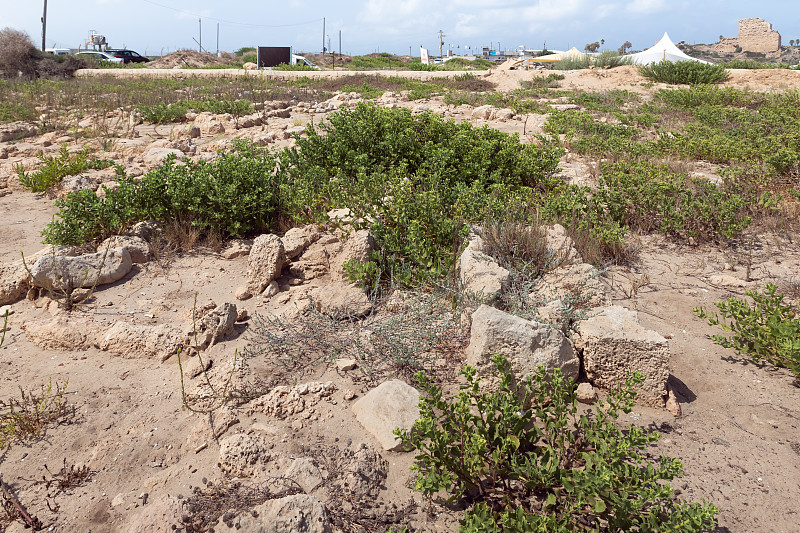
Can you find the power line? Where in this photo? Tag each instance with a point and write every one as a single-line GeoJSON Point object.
{"type": "Point", "coordinates": [231, 21]}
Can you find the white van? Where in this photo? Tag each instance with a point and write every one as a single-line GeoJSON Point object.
{"type": "Point", "coordinates": [58, 51]}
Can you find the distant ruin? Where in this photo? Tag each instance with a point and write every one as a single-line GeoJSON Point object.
{"type": "Point", "coordinates": [755, 35]}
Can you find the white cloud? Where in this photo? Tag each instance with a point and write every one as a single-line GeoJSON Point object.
{"type": "Point", "coordinates": [646, 6]}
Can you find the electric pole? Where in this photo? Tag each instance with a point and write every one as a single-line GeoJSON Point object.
{"type": "Point", "coordinates": [323, 36]}
{"type": "Point", "coordinates": [200, 42]}
{"type": "Point", "coordinates": [44, 26]}
{"type": "Point", "coordinates": [217, 38]}
{"type": "Point", "coordinates": [441, 41]}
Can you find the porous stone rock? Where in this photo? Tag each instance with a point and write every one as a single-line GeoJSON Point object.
{"type": "Point", "coordinates": [526, 344]}
{"type": "Point", "coordinates": [67, 273]}
{"type": "Point", "coordinates": [577, 284]}
{"type": "Point", "coordinates": [216, 325]}
{"type": "Point", "coordinates": [14, 282]}
{"type": "Point", "coordinates": [341, 300]}
{"type": "Point", "coordinates": [483, 112]}
{"type": "Point", "coordinates": [236, 248]}
{"type": "Point", "coordinates": [284, 401]}
{"type": "Point", "coordinates": [615, 345]}
{"type": "Point", "coordinates": [61, 334]}
{"type": "Point", "coordinates": [163, 514]}
{"type": "Point", "coordinates": [296, 240]}
{"type": "Point", "coordinates": [242, 293]}
{"type": "Point", "coordinates": [155, 155]}
{"type": "Point", "coordinates": [243, 455]}
{"type": "Point", "coordinates": [358, 247]}
{"type": "Point", "coordinates": [134, 341]}
{"type": "Point", "coordinates": [392, 404]}
{"type": "Point", "coordinates": [137, 247]}
{"type": "Point", "coordinates": [481, 274]}
{"type": "Point", "coordinates": [267, 257]}
{"type": "Point", "coordinates": [14, 131]}
{"type": "Point", "coordinates": [586, 394]}
{"type": "Point", "coordinates": [299, 513]}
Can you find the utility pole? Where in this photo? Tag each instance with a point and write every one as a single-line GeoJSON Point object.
{"type": "Point", "coordinates": [44, 26]}
{"type": "Point", "coordinates": [340, 47]}
{"type": "Point", "coordinates": [217, 38]}
{"type": "Point", "coordinates": [200, 42]}
{"type": "Point", "coordinates": [441, 41]}
{"type": "Point", "coordinates": [323, 36]}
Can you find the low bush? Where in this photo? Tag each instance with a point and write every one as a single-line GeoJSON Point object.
{"type": "Point", "coordinates": [766, 330]}
{"type": "Point", "coordinates": [234, 195]}
{"type": "Point", "coordinates": [611, 59]}
{"type": "Point", "coordinates": [18, 55]}
{"type": "Point", "coordinates": [27, 417]}
{"type": "Point", "coordinates": [573, 63]}
{"type": "Point", "coordinates": [56, 168]}
{"type": "Point", "coordinates": [522, 459]}
{"type": "Point", "coordinates": [165, 113]}
{"type": "Point", "coordinates": [684, 72]}
{"type": "Point", "coordinates": [413, 180]}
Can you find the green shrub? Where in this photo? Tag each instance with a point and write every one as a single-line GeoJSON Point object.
{"type": "Point", "coordinates": [767, 329]}
{"type": "Point", "coordinates": [573, 63]}
{"type": "Point", "coordinates": [235, 194]}
{"type": "Point", "coordinates": [684, 72]}
{"type": "Point", "coordinates": [11, 112]}
{"type": "Point", "coordinates": [523, 459]}
{"type": "Point", "coordinates": [413, 180]}
{"type": "Point", "coordinates": [611, 59]}
{"type": "Point", "coordinates": [56, 168]}
{"type": "Point", "coordinates": [163, 113]}
{"type": "Point", "coordinates": [367, 91]}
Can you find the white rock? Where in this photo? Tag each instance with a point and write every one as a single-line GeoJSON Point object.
{"type": "Point", "coordinates": [392, 404]}
{"type": "Point", "coordinates": [67, 273]}
{"type": "Point", "coordinates": [526, 344]}
{"type": "Point", "coordinates": [615, 345]}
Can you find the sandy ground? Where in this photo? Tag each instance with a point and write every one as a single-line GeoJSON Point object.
{"type": "Point", "coordinates": [738, 436]}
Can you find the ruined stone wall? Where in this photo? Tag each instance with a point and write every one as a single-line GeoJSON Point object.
{"type": "Point", "coordinates": [757, 35]}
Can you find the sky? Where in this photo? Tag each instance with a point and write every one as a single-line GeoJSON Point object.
{"type": "Point", "coordinates": [155, 27]}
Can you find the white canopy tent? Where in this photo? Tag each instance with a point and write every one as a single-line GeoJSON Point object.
{"type": "Point", "coordinates": [663, 50]}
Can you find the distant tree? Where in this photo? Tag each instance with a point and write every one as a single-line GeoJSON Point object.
{"type": "Point", "coordinates": [602, 41]}
{"type": "Point", "coordinates": [625, 46]}
{"type": "Point", "coordinates": [791, 42]}
{"type": "Point", "coordinates": [721, 37]}
{"type": "Point", "coordinates": [592, 47]}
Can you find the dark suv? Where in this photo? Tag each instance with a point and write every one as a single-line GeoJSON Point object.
{"type": "Point", "coordinates": [128, 56]}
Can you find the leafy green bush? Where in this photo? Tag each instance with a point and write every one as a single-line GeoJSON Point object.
{"type": "Point", "coordinates": [573, 63]}
{"type": "Point", "coordinates": [235, 194]}
{"type": "Point", "coordinates": [684, 72]}
{"type": "Point", "coordinates": [367, 91]}
{"type": "Point", "coordinates": [56, 168]}
{"type": "Point", "coordinates": [525, 460]}
{"type": "Point", "coordinates": [10, 112]}
{"type": "Point", "coordinates": [611, 59]}
{"type": "Point", "coordinates": [412, 179]}
{"type": "Point", "coordinates": [163, 113]}
{"type": "Point", "coordinates": [766, 330]}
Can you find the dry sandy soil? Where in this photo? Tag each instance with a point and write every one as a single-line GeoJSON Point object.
{"type": "Point", "coordinates": [738, 436]}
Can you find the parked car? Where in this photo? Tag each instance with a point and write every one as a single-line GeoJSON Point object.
{"type": "Point", "coordinates": [100, 56]}
{"type": "Point", "coordinates": [128, 56]}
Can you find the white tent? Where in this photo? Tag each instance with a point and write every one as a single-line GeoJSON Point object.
{"type": "Point", "coordinates": [663, 50]}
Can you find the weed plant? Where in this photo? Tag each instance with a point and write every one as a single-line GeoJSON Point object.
{"type": "Point", "coordinates": [56, 168]}
{"type": "Point", "coordinates": [236, 194]}
{"type": "Point", "coordinates": [765, 330]}
{"type": "Point", "coordinates": [684, 72]}
{"type": "Point", "coordinates": [385, 344]}
{"type": "Point", "coordinates": [522, 459]}
{"type": "Point", "coordinates": [27, 417]}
